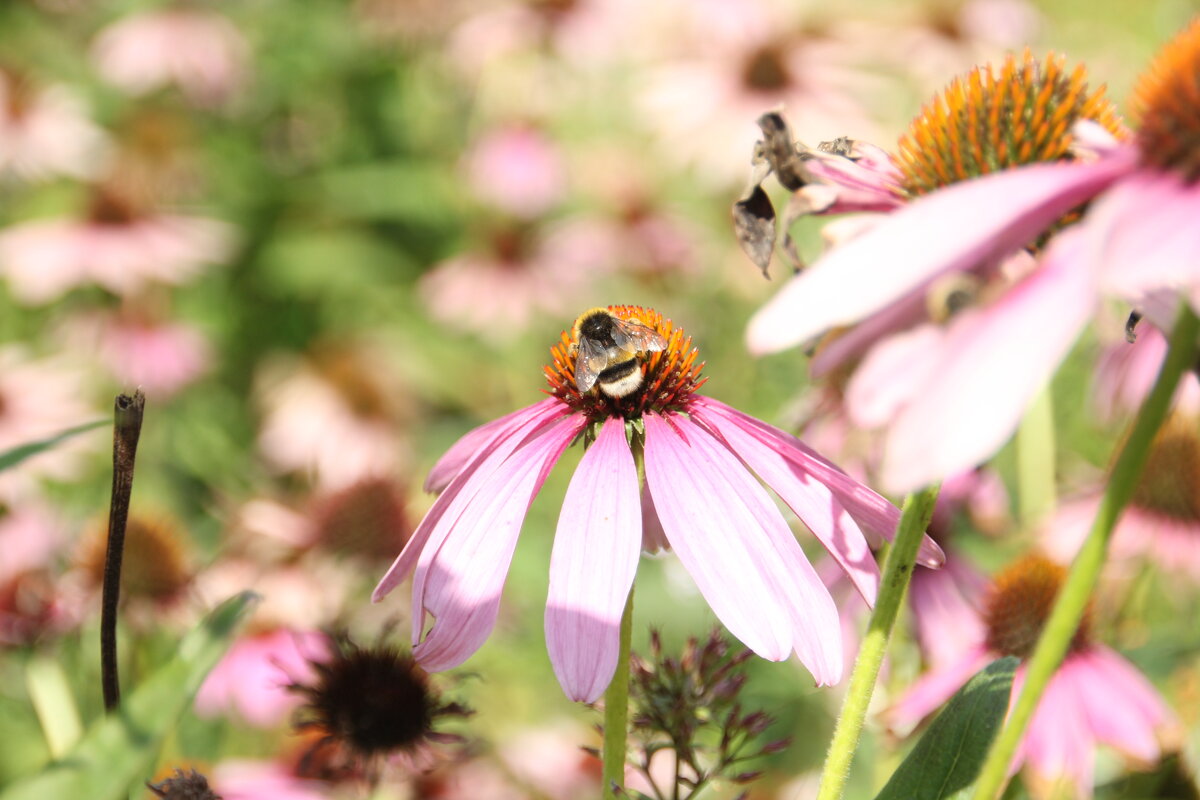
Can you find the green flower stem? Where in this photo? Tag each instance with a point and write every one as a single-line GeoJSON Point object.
{"type": "Point", "coordinates": [897, 570]}
{"type": "Point", "coordinates": [1077, 589]}
{"type": "Point", "coordinates": [1035, 460]}
{"type": "Point", "coordinates": [616, 712]}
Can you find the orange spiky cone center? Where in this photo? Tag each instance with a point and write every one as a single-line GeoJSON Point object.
{"type": "Point", "coordinates": [669, 377]}
{"type": "Point", "coordinates": [1019, 603]}
{"type": "Point", "coordinates": [1170, 482]}
{"type": "Point", "coordinates": [1167, 99]}
{"type": "Point", "coordinates": [996, 119]}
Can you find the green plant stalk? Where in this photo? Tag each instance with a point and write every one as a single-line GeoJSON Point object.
{"type": "Point", "coordinates": [616, 712]}
{"type": "Point", "coordinates": [1085, 570]}
{"type": "Point", "coordinates": [1036, 460]}
{"type": "Point", "coordinates": [897, 571]}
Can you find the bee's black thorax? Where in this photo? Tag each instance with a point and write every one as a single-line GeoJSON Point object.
{"type": "Point", "coordinates": [598, 327]}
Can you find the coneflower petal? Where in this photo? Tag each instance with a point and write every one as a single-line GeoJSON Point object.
{"type": "Point", "coordinates": [459, 492]}
{"type": "Point", "coordinates": [736, 545]}
{"type": "Point", "coordinates": [811, 500]}
{"type": "Point", "coordinates": [875, 515]}
{"type": "Point", "coordinates": [991, 363]}
{"type": "Point", "coordinates": [475, 440]}
{"type": "Point", "coordinates": [959, 227]}
{"type": "Point", "coordinates": [596, 551]}
{"type": "Point", "coordinates": [460, 581]}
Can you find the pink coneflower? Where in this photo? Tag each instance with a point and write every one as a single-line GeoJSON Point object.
{"type": "Point", "coordinates": [1096, 697]}
{"type": "Point", "coordinates": [1161, 523]}
{"type": "Point", "coordinates": [115, 245]}
{"type": "Point", "coordinates": [752, 57]}
{"type": "Point", "coordinates": [333, 417]}
{"type": "Point", "coordinates": [701, 458]}
{"type": "Point", "coordinates": [962, 327]}
{"type": "Point", "coordinates": [31, 600]}
{"type": "Point", "coordinates": [257, 780]}
{"type": "Point", "coordinates": [45, 131]}
{"type": "Point", "coordinates": [252, 679]}
{"type": "Point", "coordinates": [520, 274]}
{"type": "Point", "coordinates": [518, 170]}
{"type": "Point", "coordinates": [200, 52]}
{"type": "Point", "coordinates": [160, 358]}
{"type": "Point", "coordinates": [39, 398]}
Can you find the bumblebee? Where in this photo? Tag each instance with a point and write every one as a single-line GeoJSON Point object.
{"type": "Point", "coordinates": [609, 350]}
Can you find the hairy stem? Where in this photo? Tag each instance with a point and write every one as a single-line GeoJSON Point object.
{"type": "Point", "coordinates": [897, 571]}
{"type": "Point", "coordinates": [616, 712]}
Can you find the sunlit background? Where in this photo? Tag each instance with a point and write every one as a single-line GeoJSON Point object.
{"type": "Point", "coordinates": [326, 238]}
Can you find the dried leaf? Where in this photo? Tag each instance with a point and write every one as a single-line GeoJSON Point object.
{"type": "Point", "coordinates": [754, 224]}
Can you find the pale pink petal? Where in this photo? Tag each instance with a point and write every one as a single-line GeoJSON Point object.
{"type": "Point", "coordinates": [946, 606]}
{"type": "Point", "coordinates": [596, 550]}
{"type": "Point", "coordinates": [875, 515]}
{"type": "Point", "coordinates": [735, 544]}
{"type": "Point", "coordinates": [459, 580]}
{"type": "Point", "coordinates": [853, 342]}
{"type": "Point", "coordinates": [461, 490]}
{"type": "Point", "coordinates": [810, 499]}
{"type": "Point", "coordinates": [1123, 708]}
{"type": "Point", "coordinates": [992, 363]}
{"type": "Point", "coordinates": [956, 228]}
{"type": "Point", "coordinates": [474, 440]}
{"type": "Point", "coordinates": [1057, 743]}
{"type": "Point", "coordinates": [894, 372]}
{"type": "Point", "coordinates": [251, 680]}
{"type": "Point", "coordinates": [936, 687]}
{"type": "Point", "coordinates": [1144, 235]}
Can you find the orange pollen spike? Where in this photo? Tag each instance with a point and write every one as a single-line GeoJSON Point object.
{"type": "Point", "coordinates": [990, 120]}
{"type": "Point", "coordinates": [1019, 602]}
{"type": "Point", "coordinates": [1167, 100]}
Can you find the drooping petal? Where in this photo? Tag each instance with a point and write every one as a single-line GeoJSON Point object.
{"type": "Point", "coordinates": [459, 582]}
{"type": "Point", "coordinates": [735, 544]}
{"type": "Point", "coordinates": [990, 365]}
{"type": "Point", "coordinates": [810, 499]}
{"type": "Point", "coordinates": [596, 550]}
{"type": "Point", "coordinates": [936, 687]}
{"type": "Point", "coordinates": [463, 450]}
{"type": "Point", "coordinates": [892, 374]}
{"type": "Point", "coordinates": [1123, 709]}
{"type": "Point", "coordinates": [952, 229]}
{"type": "Point", "coordinates": [1144, 237]}
{"type": "Point", "coordinates": [461, 489]}
{"type": "Point", "coordinates": [875, 515]}
{"type": "Point", "coordinates": [945, 605]}
{"type": "Point", "coordinates": [1057, 742]}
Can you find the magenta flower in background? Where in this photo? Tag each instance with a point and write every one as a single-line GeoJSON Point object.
{"type": "Point", "coordinates": [333, 416]}
{"type": "Point", "coordinates": [115, 245]}
{"type": "Point", "coordinates": [160, 358]}
{"type": "Point", "coordinates": [44, 131]}
{"type": "Point", "coordinates": [960, 327]}
{"type": "Point", "coordinates": [701, 459]}
{"type": "Point", "coordinates": [1125, 373]}
{"type": "Point", "coordinates": [518, 170]}
{"type": "Point", "coordinates": [1096, 697]}
{"type": "Point", "coordinates": [198, 51]}
{"type": "Point", "coordinates": [251, 681]}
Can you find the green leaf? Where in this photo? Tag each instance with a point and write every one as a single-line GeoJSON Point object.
{"type": "Point", "coordinates": [10, 458]}
{"type": "Point", "coordinates": [949, 755]}
{"type": "Point", "coordinates": [118, 750]}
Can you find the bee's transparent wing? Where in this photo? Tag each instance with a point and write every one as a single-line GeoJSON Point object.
{"type": "Point", "coordinates": [637, 337]}
{"type": "Point", "coordinates": [591, 361]}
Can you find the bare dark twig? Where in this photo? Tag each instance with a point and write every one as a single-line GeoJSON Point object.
{"type": "Point", "coordinates": [127, 427]}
